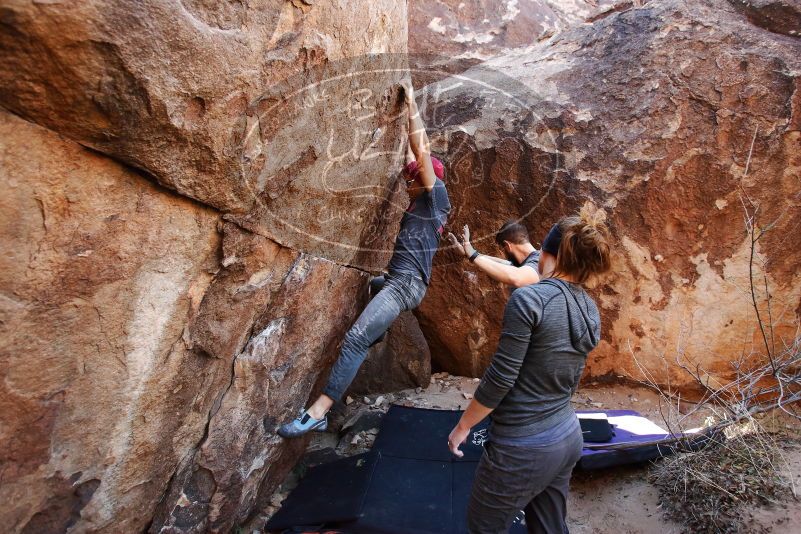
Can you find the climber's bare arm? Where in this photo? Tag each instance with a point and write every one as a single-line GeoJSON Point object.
{"type": "Point", "coordinates": [418, 141]}
{"type": "Point", "coordinates": [409, 154]}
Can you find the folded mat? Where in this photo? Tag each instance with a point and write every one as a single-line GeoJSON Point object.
{"type": "Point", "coordinates": [636, 439]}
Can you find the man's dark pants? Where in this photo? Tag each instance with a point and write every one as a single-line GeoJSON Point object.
{"type": "Point", "coordinates": [533, 479]}
{"type": "Point", "coordinates": [401, 292]}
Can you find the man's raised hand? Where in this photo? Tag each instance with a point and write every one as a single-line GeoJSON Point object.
{"type": "Point", "coordinates": [455, 242]}
{"type": "Point", "coordinates": [466, 235]}
{"type": "Point", "coordinates": [468, 248]}
{"type": "Point", "coordinates": [464, 245]}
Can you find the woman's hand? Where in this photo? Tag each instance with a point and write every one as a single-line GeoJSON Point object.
{"type": "Point", "coordinates": [458, 436]}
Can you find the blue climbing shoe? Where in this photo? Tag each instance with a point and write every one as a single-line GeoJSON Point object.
{"type": "Point", "coordinates": [302, 424]}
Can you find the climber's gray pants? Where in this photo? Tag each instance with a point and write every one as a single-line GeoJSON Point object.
{"type": "Point", "coordinates": [401, 291]}
{"type": "Point", "coordinates": [532, 479]}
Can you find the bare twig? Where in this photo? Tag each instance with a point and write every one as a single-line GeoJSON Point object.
{"type": "Point", "coordinates": [763, 380]}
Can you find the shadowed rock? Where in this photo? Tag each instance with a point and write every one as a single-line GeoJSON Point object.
{"type": "Point", "coordinates": [399, 362]}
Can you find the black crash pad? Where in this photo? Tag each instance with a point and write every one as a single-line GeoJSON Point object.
{"type": "Point", "coordinates": [391, 495]}
{"type": "Point", "coordinates": [329, 493]}
{"type": "Point", "coordinates": [422, 434]}
{"type": "Point", "coordinates": [409, 483]}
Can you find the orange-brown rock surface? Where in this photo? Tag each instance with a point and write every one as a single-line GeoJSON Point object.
{"type": "Point", "coordinates": [100, 398]}
{"type": "Point", "coordinates": [194, 191]}
{"type": "Point", "coordinates": [272, 376]}
{"type": "Point", "coordinates": [449, 36]}
{"type": "Point", "coordinates": [652, 114]}
{"type": "Point", "coordinates": [212, 99]}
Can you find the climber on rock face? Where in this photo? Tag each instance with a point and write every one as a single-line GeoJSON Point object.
{"type": "Point", "coordinates": [520, 268]}
{"type": "Point", "coordinates": [409, 271]}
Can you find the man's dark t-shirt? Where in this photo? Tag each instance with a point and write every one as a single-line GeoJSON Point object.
{"type": "Point", "coordinates": [532, 260]}
{"type": "Point", "coordinates": [420, 231]}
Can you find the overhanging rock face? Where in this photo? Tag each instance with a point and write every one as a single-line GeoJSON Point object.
{"type": "Point", "coordinates": [651, 114]}
{"type": "Point", "coordinates": [155, 334]}
{"type": "Point", "coordinates": [172, 86]}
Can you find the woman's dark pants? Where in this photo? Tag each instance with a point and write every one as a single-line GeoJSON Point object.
{"type": "Point", "coordinates": [514, 478]}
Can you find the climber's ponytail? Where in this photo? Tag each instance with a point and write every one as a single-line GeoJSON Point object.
{"type": "Point", "coordinates": [585, 249]}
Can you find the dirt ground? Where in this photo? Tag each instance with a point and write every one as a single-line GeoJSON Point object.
{"type": "Point", "coordinates": [618, 500]}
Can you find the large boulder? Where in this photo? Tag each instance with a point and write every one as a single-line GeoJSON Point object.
{"type": "Point", "coordinates": [154, 335]}
{"type": "Point", "coordinates": [253, 108]}
{"type": "Point", "coordinates": [676, 117]}
{"type": "Point", "coordinates": [100, 399]}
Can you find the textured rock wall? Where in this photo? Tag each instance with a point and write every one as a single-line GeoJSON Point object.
{"type": "Point", "coordinates": [401, 361]}
{"type": "Point", "coordinates": [449, 36]}
{"type": "Point", "coordinates": [195, 191]}
{"type": "Point", "coordinates": [214, 100]}
{"type": "Point", "coordinates": [650, 113]}
{"type": "Point", "coordinates": [272, 376]}
{"type": "Point", "coordinates": [153, 336]}
{"type": "Point", "coordinates": [99, 395]}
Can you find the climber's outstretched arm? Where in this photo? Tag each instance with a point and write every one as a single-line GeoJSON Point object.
{"type": "Point", "coordinates": [418, 141]}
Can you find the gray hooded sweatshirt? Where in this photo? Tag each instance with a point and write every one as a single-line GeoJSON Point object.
{"type": "Point", "coordinates": [548, 330]}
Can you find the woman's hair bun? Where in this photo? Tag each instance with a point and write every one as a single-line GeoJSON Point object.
{"type": "Point", "coordinates": [592, 216]}
{"type": "Point", "coordinates": [585, 249]}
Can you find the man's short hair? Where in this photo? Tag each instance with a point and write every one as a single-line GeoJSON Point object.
{"type": "Point", "coordinates": [512, 231]}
